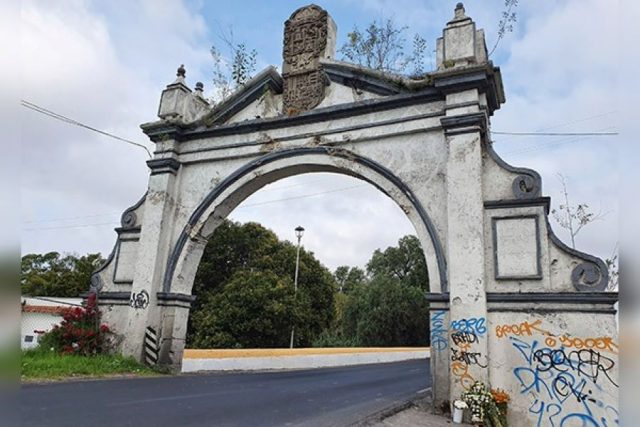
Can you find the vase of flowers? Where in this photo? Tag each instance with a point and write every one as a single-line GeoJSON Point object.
{"type": "Point", "coordinates": [458, 411]}
{"type": "Point", "coordinates": [501, 398]}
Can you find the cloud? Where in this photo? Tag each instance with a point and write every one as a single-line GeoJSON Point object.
{"type": "Point", "coordinates": [75, 63]}
{"type": "Point", "coordinates": [561, 76]}
{"type": "Point", "coordinates": [345, 219]}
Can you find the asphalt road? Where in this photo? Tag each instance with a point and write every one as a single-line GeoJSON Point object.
{"type": "Point", "coordinates": [318, 397]}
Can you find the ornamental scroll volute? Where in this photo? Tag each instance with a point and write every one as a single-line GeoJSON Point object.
{"type": "Point", "coordinates": [309, 34]}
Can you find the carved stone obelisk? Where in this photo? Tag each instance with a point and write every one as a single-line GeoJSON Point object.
{"type": "Point", "coordinates": [309, 35]}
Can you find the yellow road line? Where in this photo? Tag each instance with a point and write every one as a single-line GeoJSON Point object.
{"type": "Point", "coordinates": [274, 352]}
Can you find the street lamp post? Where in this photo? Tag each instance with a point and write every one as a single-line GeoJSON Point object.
{"type": "Point", "coordinates": [299, 232]}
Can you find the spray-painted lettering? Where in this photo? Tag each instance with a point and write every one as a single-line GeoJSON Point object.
{"type": "Point", "coordinates": [464, 334]}
{"type": "Point", "coordinates": [473, 324]}
{"type": "Point", "coordinates": [528, 329]}
{"type": "Point", "coordinates": [468, 358]}
{"type": "Point", "coordinates": [464, 338]}
{"type": "Point", "coordinates": [587, 363]}
{"type": "Point", "coordinates": [439, 340]}
{"type": "Point", "coordinates": [522, 329]}
{"type": "Point", "coordinates": [556, 377]}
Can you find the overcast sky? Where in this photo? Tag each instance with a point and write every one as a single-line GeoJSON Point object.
{"type": "Point", "coordinates": [105, 64]}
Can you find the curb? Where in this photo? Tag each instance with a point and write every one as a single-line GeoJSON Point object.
{"type": "Point", "coordinates": [389, 411]}
{"type": "Point", "coordinates": [377, 417]}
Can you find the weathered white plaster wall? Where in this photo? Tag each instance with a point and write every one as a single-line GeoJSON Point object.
{"type": "Point", "coordinates": [528, 239]}
{"type": "Point", "coordinates": [268, 105]}
{"type": "Point", "coordinates": [559, 368]}
{"type": "Point", "coordinates": [336, 94]}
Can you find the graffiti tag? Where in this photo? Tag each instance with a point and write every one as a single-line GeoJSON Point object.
{"type": "Point", "coordinates": [599, 343]}
{"type": "Point", "coordinates": [464, 338]}
{"type": "Point", "coordinates": [460, 370]}
{"type": "Point", "coordinates": [523, 329]}
{"type": "Point", "coordinates": [466, 357]}
{"type": "Point", "coordinates": [439, 340]}
{"type": "Point", "coordinates": [473, 324]}
{"type": "Point", "coordinates": [553, 376]}
{"type": "Point", "coordinates": [139, 300]}
{"type": "Point", "coordinates": [588, 363]}
{"type": "Point", "coordinates": [529, 329]}
{"type": "Point", "coordinates": [464, 334]}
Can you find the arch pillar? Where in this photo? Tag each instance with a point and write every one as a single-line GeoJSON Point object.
{"type": "Point", "coordinates": [159, 209]}
{"type": "Point", "coordinates": [468, 338]}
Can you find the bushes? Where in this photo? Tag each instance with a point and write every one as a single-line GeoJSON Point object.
{"type": "Point", "coordinates": [80, 332]}
{"type": "Point", "coordinates": [385, 308]}
{"type": "Point", "coordinates": [330, 338]}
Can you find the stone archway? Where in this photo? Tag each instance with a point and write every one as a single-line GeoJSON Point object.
{"type": "Point", "coordinates": [283, 164]}
{"type": "Point", "coordinates": [498, 271]}
{"type": "Point", "coordinates": [217, 204]}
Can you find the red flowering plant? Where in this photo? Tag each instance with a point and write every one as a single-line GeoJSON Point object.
{"type": "Point", "coordinates": [80, 331]}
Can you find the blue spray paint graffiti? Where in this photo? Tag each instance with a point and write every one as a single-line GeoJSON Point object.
{"type": "Point", "coordinates": [439, 339]}
{"type": "Point", "coordinates": [472, 325]}
{"type": "Point", "coordinates": [559, 378]}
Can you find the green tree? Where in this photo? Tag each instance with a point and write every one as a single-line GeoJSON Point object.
{"type": "Point", "coordinates": [253, 309]}
{"type": "Point", "coordinates": [233, 247]}
{"type": "Point", "coordinates": [404, 262]}
{"type": "Point", "coordinates": [387, 312]}
{"type": "Point", "coordinates": [236, 249]}
{"type": "Point", "coordinates": [348, 278]}
{"type": "Point", "coordinates": [56, 275]}
{"type": "Point", "coordinates": [386, 307]}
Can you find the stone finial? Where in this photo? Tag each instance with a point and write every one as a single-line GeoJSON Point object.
{"type": "Point", "coordinates": [461, 43]}
{"type": "Point", "coordinates": [309, 35]}
{"type": "Point", "coordinates": [174, 99]}
{"type": "Point", "coordinates": [199, 89]}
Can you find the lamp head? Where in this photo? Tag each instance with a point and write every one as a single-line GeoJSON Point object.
{"type": "Point", "coordinates": [299, 231]}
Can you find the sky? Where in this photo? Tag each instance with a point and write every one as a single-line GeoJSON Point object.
{"type": "Point", "coordinates": [106, 63]}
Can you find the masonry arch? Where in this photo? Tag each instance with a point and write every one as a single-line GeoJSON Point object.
{"type": "Point", "coordinates": [185, 255]}
{"type": "Point", "coordinates": [493, 258]}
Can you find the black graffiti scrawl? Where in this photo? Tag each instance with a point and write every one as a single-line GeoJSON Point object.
{"type": "Point", "coordinates": [139, 300]}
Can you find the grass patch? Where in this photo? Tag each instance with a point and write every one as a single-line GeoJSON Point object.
{"type": "Point", "coordinates": [44, 364]}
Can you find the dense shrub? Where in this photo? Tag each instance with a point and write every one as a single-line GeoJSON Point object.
{"type": "Point", "coordinates": [387, 313]}
{"type": "Point", "coordinates": [330, 338]}
{"type": "Point", "coordinates": [80, 332]}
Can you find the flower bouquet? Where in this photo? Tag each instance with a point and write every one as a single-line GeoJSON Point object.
{"type": "Point", "coordinates": [501, 398]}
{"type": "Point", "coordinates": [484, 410]}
